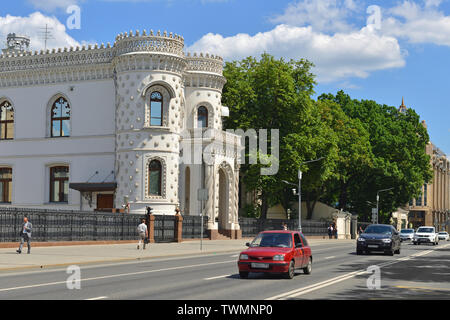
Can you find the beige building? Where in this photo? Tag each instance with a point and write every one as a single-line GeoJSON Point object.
{"type": "Point", "coordinates": [432, 208]}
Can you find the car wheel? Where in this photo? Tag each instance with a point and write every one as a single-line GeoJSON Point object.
{"type": "Point", "coordinates": [359, 252]}
{"type": "Point", "coordinates": [390, 252]}
{"type": "Point", "coordinates": [291, 272]}
{"type": "Point", "coordinates": [397, 251]}
{"type": "Point", "coordinates": [308, 268]}
{"type": "Point", "coordinates": [243, 274]}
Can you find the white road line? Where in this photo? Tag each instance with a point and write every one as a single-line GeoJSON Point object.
{"type": "Point", "coordinates": [117, 275]}
{"type": "Point", "coordinates": [326, 283]}
{"type": "Point", "coordinates": [234, 256]}
{"type": "Point", "coordinates": [218, 277]}
{"type": "Point", "coordinates": [329, 257]}
{"type": "Point", "coordinates": [98, 298]}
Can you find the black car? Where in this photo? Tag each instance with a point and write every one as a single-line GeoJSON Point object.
{"type": "Point", "coordinates": [379, 237]}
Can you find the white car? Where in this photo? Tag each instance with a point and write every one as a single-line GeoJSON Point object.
{"type": "Point", "coordinates": [426, 235]}
{"type": "Point", "coordinates": [443, 236]}
{"type": "Point", "coordinates": [407, 234]}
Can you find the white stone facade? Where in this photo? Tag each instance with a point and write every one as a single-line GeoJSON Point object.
{"type": "Point", "coordinates": [110, 136]}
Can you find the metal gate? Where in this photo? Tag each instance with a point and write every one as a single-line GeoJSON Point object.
{"type": "Point", "coordinates": [164, 228]}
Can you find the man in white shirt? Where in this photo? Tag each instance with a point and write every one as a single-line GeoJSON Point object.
{"type": "Point", "coordinates": [143, 233]}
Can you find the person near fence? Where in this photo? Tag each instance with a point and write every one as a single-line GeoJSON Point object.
{"type": "Point", "coordinates": [360, 230]}
{"type": "Point", "coordinates": [143, 234]}
{"type": "Point", "coordinates": [25, 235]}
{"type": "Point", "coordinates": [330, 231]}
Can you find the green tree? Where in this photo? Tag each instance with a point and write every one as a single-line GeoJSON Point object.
{"type": "Point", "coordinates": [398, 160]}
{"type": "Point", "coordinates": [269, 94]}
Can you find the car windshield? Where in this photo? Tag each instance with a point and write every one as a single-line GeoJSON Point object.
{"type": "Point", "coordinates": [407, 231]}
{"type": "Point", "coordinates": [283, 240]}
{"type": "Point", "coordinates": [425, 230]}
{"type": "Point", "coordinates": [378, 229]}
{"type": "Point", "coordinates": [442, 232]}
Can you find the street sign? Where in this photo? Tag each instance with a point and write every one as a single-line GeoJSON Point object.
{"type": "Point", "coordinates": [202, 195]}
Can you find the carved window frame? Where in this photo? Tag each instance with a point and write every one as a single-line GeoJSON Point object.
{"type": "Point", "coordinates": [163, 183]}
{"type": "Point", "coordinates": [210, 118]}
{"type": "Point", "coordinates": [6, 126]}
{"type": "Point", "coordinates": [165, 105]}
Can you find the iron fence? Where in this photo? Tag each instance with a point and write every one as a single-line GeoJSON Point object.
{"type": "Point", "coordinates": [164, 228]}
{"type": "Point", "coordinates": [192, 227]}
{"type": "Point", "coordinates": [56, 225]}
{"type": "Point", "coordinates": [251, 227]}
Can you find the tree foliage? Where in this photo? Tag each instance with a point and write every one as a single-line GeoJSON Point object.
{"type": "Point", "coordinates": [366, 146]}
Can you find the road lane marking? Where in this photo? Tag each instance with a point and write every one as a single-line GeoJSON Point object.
{"type": "Point", "coordinates": [218, 277]}
{"type": "Point", "coordinates": [329, 257]}
{"type": "Point", "coordinates": [329, 282]}
{"type": "Point", "coordinates": [422, 288]}
{"type": "Point", "coordinates": [97, 298]}
{"type": "Point", "coordinates": [117, 275]}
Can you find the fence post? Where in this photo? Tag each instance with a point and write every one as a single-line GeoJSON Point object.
{"type": "Point", "coordinates": [151, 228]}
{"type": "Point", "coordinates": [178, 227]}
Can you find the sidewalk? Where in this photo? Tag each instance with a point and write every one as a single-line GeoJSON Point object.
{"type": "Point", "coordinates": [46, 257]}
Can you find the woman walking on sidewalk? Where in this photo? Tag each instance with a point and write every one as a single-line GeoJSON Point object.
{"type": "Point", "coordinates": [143, 234]}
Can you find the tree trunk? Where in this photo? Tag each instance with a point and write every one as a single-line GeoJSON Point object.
{"type": "Point", "coordinates": [343, 196]}
{"type": "Point", "coordinates": [264, 205]}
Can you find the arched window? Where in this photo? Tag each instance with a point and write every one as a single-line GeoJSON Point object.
{"type": "Point", "coordinates": [60, 118]}
{"type": "Point", "coordinates": [202, 117]}
{"type": "Point", "coordinates": [6, 121]}
{"type": "Point", "coordinates": [156, 109]}
{"type": "Point", "coordinates": [59, 184]}
{"type": "Point", "coordinates": [154, 178]}
{"type": "Point", "coordinates": [5, 185]}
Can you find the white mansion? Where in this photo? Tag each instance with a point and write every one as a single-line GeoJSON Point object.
{"type": "Point", "coordinates": [102, 127]}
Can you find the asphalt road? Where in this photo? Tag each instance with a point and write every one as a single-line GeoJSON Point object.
{"type": "Point", "coordinates": [419, 272]}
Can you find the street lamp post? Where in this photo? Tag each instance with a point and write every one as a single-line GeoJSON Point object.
{"type": "Point", "coordinates": [378, 200]}
{"type": "Point", "coordinates": [300, 191]}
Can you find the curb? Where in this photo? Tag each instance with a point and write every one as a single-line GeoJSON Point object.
{"type": "Point", "coordinates": [47, 266]}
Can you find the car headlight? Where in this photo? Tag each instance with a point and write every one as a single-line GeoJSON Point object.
{"type": "Point", "coordinates": [278, 257]}
{"type": "Point", "coordinates": [361, 239]}
{"type": "Point", "coordinates": [243, 257]}
{"type": "Point", "coordinates": [387, 240]}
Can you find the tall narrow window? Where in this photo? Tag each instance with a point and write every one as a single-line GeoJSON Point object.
{"type": "Point", "coordinates": [202, 117]}
{"type": "Point", "coordinates": [156, 108]}
{"type": "Point", "coordinates": [6, 121]}
{"type": "Point", "coordinates": [419, 200]}
{"type": "Point", "coordinates": [5, 185]}
{"type": "Point", "coordinates": [59, 184]}
{"type": "Point", "coordinates": [154, 178]}
{"type": "Point", "coordinates": [425, 186]}
{"type": "Point", "coordinates": [60, 118]}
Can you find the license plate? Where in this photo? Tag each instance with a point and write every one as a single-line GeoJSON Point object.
{"type": "Point", "coordinates": [372, 246]}
{"type": "Point", "coordinates": [260, 265]}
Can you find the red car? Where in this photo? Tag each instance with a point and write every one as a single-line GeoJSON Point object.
{"type": "Point", "coordinates": [276, 252]}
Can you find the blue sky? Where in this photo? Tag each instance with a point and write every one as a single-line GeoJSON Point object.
{"type": "Point", "coordinates": [392, 49]}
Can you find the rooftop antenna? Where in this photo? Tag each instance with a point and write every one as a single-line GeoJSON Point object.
{"type": "Point", "coordinates": [46, 35]}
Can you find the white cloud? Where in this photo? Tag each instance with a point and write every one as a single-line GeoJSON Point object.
{"type": "Point", "coordinates": [322, 15]}
{"type": "Point", "coordinates": [339, 56]}
{"type": "Point", "coordinates": [32, 25]}
{"type": "Point", "coordinates": [418, 23]}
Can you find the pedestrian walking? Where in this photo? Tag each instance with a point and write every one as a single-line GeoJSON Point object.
{"type": "Point", "coordinates": [25, 235]}
{"type": "Point", "coordinates": [360, 230]}
{"type": "Point", "coordinates": [335, 231]}
{"type": "Point", "coordinates": [285, 226]}
{"type": "Point", "coordinates": [330, 231]}
{"type": "Point", "coordinates": [143, 234]}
